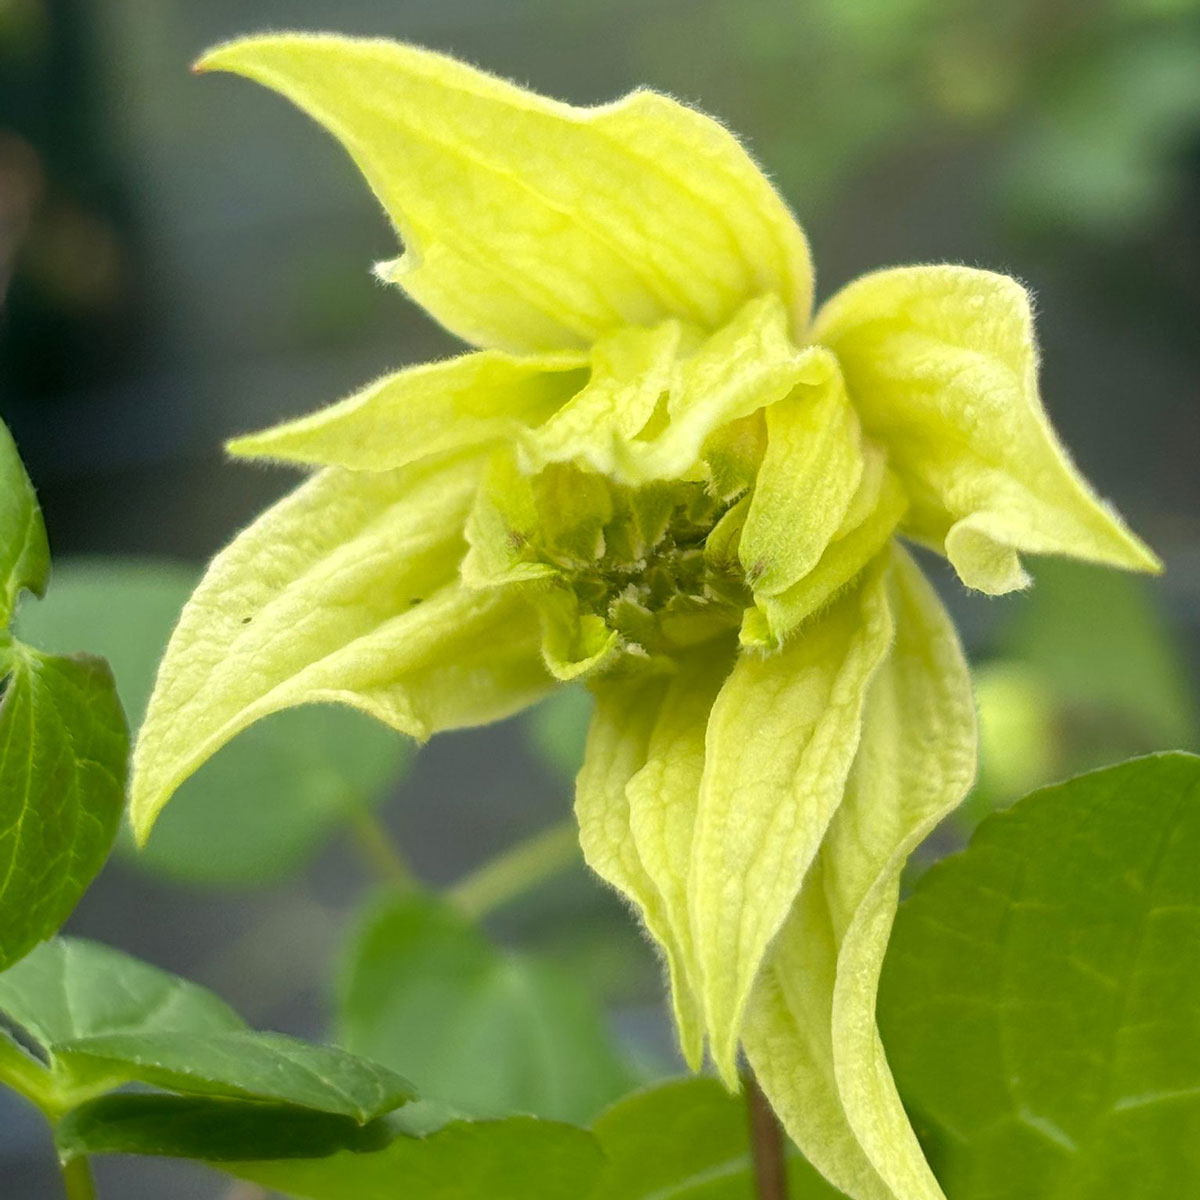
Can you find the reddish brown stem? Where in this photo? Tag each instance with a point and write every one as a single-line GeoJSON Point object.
{"type": "Point", "coordinates": [766, 1143]}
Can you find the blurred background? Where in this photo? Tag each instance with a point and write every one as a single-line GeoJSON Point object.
{"type": "Point", "coordinates": [182, 259]}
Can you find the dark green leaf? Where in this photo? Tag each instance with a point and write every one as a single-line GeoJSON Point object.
{"type": "Point", "coordinates": [24, 551]}
{"type": "Point", "coordinates": [63, 753]}
{"type": "Point", "coordinates": [263, 805]}
{"type": "Point", "coordinates": [520, 1158]}
{"type": "Point", "coordinates": [211, 1129]}
{"type": "Point", "coordinates": [425, 992]}
{"type": "Point", "coordinates": [1038, 1002]}
{"type": "Point", "coordinates": [70, 989]}
{"type": "Point", "coordinates": [241, 1064]}
{"type": "Point", "coordinates": [687, 1139]}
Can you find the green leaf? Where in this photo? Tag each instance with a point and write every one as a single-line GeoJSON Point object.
{"type": "Point", "coordinates": [521, 1158]}
{"type": "Point", "coordinates": [1039, 998]}
{"type": "Point", "coordinates": [64, 748]}
{"type": "Point", "coordinates": [210, 1129]}
{"type": "Point", "coordinates": [258, 809]}
{"type": "Point", "coordinates": [24, 550]}
{"type": "Point", "coordinates": [490, 1032]}
{"type": "Point", "coordinates": [243, 1064]}
{"type": "Point", "coordinates": [687, 1139]}
{"type": "Point", "coordinates": [70, 989]}
{"type": "Point", "coordinates": [102, 1019]}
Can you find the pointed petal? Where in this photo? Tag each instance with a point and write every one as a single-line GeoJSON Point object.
{"type": "Point", "coordinates": [424, 410]}
{"type": "Point", "coordinates": [659, 398]}
{"type": "Point", "coordinates": [663, 797]}
{"type": "Point", "coordinates": [618, 747]}
{"type": "Point", "coordinates": [870, 521]}
{"type": "Point", "coordinates": [810, 1027]}
{"type": "Point", "coordinates": [941, 364]}
{"type": "Point", "coordinates": [530, 225]}
{"type": "Point", "coordinates": [781, 738]}
{"type": "Point", "coordinates": [631, 370]}
{"type": "Point", "coordinates": [812, 467]}
{"type": "Point", "coordinates": [346, 592]}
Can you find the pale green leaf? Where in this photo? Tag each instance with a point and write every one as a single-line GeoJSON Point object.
{"type": "Point", "coordinates": [241, 1064]}
{"type": "Point", "coordinates": [810, 1032]}
{"type": "Point", "coordinates": [520, 1158]}
{"type": "Point", "coordinates": [662, 797]}
{"type": "Point", "coordinates": [781, 738]}
{"type": "Point", "coordinates": [24, 550]}
{"type": "Point", "coordinates": [344, 592]}
{"type": "Point", "coordinates": [687, 1139]}
{"type": "Point", "coordinates": [424, 410]}
{"type": "Point", "coordinates": [64, 747]}
{"type": "Point", "coordinates": [70, 988]}
{"type": "Point", "coordinates": [810, 472]}
{"type": "Point", "coordinates": [1039, 997]}
{"type": "Point", "coordinates": [531, 225]}
{"type": "Point", "coordinates": [941, 364]}
{"type": "Point", "coordinates": [492, 1033]}
{"type": "Point", "coordinates": [256, 811]}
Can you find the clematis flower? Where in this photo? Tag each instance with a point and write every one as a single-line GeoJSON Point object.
{"type": "Point", "coordinates": [654, 473]}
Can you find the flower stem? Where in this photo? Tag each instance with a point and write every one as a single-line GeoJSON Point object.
{"type": "Point", "coordinates": [517, 870]}
{"type": "Point", "coordinates": [766, 1143]}
{"type": "Point", "coordinates": [77, 1179]}
{"type": "Point", "coordinates": [25, 1075]}
{"type": "Point", "coordinates": [379, 848]}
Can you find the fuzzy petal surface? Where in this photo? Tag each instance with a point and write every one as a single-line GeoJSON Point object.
{"type": "Point", "coordinates": [532, 225]}
{"type": "Point", "coordinates": [619, 747]}
{"type": "Point", "coordinates": [346, 591]}
{"type": "Point", "coordinates": [941, 364]}
{"type": "Point", "coordinates": [424, 410]}
{"type": "Point", "coordinates": [810, 1029]}
{"type": "Point", "coordinates": [781, 738]}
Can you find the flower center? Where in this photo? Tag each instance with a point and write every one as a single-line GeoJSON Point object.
{"type": "Point", "coordinates": [656, 564]}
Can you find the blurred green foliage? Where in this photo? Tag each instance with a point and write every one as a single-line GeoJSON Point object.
{"type": "Point", "coordinates": [1092, 104]}
{"type": "Point", "coordinates": [261, 807]}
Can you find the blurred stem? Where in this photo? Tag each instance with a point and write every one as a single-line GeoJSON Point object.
{"type": "Point", "coordinates": [26, 1076]}
{"type": "Point", "coordinates": [377, 846]}
{"type": "Point", "coordinates": [766, 1143]}
{"type": "Point", "coordinates": [77, 1179]}
{"type": "Point", "coordinates": [517, 870]}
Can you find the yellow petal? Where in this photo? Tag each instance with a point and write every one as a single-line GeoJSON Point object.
{"type": "Point", "coordinates": [631, 370]}
{"type": "Point", "coordinates": [941, 364]}
{"type": "Point", "coordinates": [344, 592]}
{"type": "Point", "coordinates": [424, 410]}
{"type": "Point", "coordinates": [810, 1027]}
{"type": "Point", "coordinates": [618, 747]}
{"type": "Point", "coordinates": [781, 738]}
{"type": "Point", "coordinates": [663, 797]}
{"type": "Point", "coordinates": [810, 472]}
{"type": "Point", "coordinates": [531, 225]}
{"type": "Point", "coordinates": [870, 521]}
